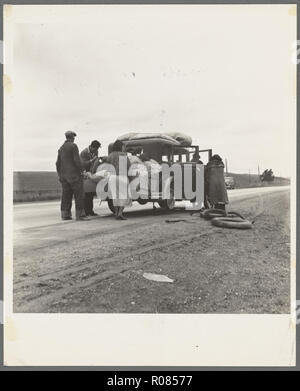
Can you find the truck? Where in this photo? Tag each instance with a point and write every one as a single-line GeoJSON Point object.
{"type": "Point", "coordinates": [229, 182]}
{"type": "Point", "coordinates": [166, 148]}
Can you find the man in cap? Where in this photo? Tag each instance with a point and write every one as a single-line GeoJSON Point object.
{"type": "Point", "coordinates": [196, 159]}
{"type": "Point", "coordinates": [70, 170]}
{"type": "Point", "coordinates": [88, 157]}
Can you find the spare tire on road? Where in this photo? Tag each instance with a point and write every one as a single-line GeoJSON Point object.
{"type": "Point", "coordinates": [211, 213]}
{"type": "Point", "coordinates": [231, 222]}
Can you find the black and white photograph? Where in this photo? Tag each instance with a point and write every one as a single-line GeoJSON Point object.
{"type": "Point", "coordinates": [150, 159]}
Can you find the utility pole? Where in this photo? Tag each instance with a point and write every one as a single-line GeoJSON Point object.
{"type": "Point", "coordinates": [226, 166]}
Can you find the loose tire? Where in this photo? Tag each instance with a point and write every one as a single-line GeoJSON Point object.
{"type": "Point", "coordinates": [231, 222]}
{"type": "Point", "coordinates": [211, 213]}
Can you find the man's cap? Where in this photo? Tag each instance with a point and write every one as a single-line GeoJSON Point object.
{"type": "Point", "coordinates": [69, 133]}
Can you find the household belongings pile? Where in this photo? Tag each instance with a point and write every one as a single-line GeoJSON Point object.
{"type": "Point", "coordinates": [138, 168]}
{"type": "Point", "coordinates": [141, 168]}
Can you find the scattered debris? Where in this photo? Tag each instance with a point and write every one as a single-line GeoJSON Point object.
{"type": "Point", "coordinates": [176, 220]}
{"type": "Point", "coordinates": [157, 277]}
{"type": "Point", "coordinates": [41, 284]}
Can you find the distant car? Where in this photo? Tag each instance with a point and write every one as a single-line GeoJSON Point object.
{"type": "Point", "coordinates": [229, 182]}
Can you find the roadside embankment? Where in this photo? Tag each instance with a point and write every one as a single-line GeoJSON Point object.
{"type": "Point", "coordinates": [44, 185]}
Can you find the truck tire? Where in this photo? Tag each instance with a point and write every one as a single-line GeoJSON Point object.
{"type": "Point", "coordinates": [141, 201]}
{"type": "Point", "coordinates": [167, 204]}
{"type": "Point", "coordinates": [111, 205]}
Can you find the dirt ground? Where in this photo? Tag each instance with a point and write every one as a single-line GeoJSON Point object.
{"type": "Point", "coordinates": [214, 270]}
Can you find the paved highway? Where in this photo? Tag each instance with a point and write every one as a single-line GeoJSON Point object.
{"type": "Point", "coordinates": [39, 214]}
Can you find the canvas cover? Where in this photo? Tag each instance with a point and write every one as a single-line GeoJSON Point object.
{"type": "Point", "coordinates": [174, 137]}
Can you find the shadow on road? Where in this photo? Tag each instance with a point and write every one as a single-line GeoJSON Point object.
{"type": "Point", "coordinates": [149, 212]}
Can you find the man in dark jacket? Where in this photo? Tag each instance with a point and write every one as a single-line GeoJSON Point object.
{"type": "Point", "coordinates": [215, 183]}
{"type": "Point", "coordinates": [89, 155]}
{"type": "Point", "coordinates": [69, 170]}
{"type": "Point", "coordinates": [88, 158]}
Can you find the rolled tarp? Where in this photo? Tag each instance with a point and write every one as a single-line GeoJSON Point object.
{"type": "Point", "coordinates": [183, 139]}
{"type": "Point", "coordinates": [172, 138]}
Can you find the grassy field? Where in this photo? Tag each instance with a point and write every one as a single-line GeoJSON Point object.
{"type": "Point", "coordinates": [243, 181]}
{"type": "Point", "coordinates": [44, 185]}
{"type": "Point", "coordinates": [36, 186]}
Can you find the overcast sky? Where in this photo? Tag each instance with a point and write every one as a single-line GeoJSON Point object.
{"type": "Point", "coordinates": [223, 75]}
